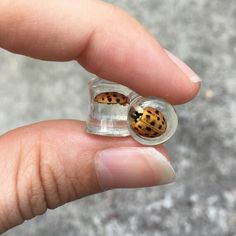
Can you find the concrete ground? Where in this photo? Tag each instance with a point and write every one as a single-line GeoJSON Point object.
{"type": "Point", "coordinates": [203, 200]}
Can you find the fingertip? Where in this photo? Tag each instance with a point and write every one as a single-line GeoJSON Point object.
{"type": "Point", "coordinates": [190, 82]}
{"type": "Point", "coordinates": [192, 76]}
{"type": "Point", "coordinates": [132, 167]}
{"type": "Point", "coordinates": [189, 92]}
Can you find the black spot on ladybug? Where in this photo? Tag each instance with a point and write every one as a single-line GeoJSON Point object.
{"type": "Point", "coordinates": [158, 118]}
{"type": "Point", "coordinates": [140, 127]}
{"type": "Point", "coordinates": [118, 100]}
{"type": "Point", "coordinates": [149, 112]}
{"type": "Point", "coordinates": [148, 129]}
{"type": "Point", "coordinates": [109, 99]}
{"type": "Point", "coordinates": [156, 133]}
{"type": "Point", "coordinates": [103, 99]}
{"type": "Point", "coordinates": [114, 95]}
{"type": "Point", "coordinates": [163, 122]}
{"type": "Point", "coordinates": [148, 116]}
{"type": "Point", "coordinates": [157, 112]}
{"type": "Point", "coordinates": [152, 123]}
{"type": "Point", "coordinates": [160, 126]}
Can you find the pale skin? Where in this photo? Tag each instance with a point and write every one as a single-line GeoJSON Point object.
{"type": "Point", "coordinates": [47, 164]}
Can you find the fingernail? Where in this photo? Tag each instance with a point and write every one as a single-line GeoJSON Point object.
{"type": "Point", "coordinates": [132, 167]}
{"type": "Point", "coordinates": [186, 69]}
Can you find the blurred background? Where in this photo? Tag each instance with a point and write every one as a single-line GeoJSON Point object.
{"type": "Point", "coordinates": [203, 200]}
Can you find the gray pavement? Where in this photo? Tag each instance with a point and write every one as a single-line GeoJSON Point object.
{"type": "Point", "coordinates": [203, 200]}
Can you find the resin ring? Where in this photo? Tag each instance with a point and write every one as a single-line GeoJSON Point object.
{"type": "Point", "coordinates": [116, 110]}
{"type": "Point", "coordinates": [108, 108]}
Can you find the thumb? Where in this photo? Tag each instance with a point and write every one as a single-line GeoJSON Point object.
{"type": "Point", "coordinates": [50, 163]}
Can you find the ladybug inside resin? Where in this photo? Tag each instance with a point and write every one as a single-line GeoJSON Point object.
{"type": "Point", "coordinates": [111, 98]}
{"type": "Point", "coordinates": [148, 122]}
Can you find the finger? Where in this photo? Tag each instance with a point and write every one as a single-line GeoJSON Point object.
{"type": "Point", "coordinates": [50, 163]}
{"type": "Point", "coordinates": [103, 38]}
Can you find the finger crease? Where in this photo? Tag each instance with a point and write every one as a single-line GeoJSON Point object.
{"type": "Point", "coordinates": [40, 176]}
{"type": "Point", "coordinates": [19, 160]}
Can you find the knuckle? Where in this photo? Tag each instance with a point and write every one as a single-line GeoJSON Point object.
{"type": "Point", "coordinates": [29, 189]}
{"type": "Point", "coordinates": [40, 180]}
{"type": "Point", "coordinates": [51, 175]}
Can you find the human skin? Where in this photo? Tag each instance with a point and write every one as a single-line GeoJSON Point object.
{"type": "Point", "coordinates": [47, 164]}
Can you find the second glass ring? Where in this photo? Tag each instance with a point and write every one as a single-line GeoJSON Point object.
{"type": "Point", "coordinates": [116, 110]}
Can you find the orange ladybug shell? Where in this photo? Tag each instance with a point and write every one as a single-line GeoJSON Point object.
{"type": "Point", "coordinates": [111, 98]}
{"type": "Point", "coordinates": [151, 123]}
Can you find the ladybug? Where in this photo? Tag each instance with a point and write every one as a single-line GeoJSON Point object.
{"type": "Point", "coordinates": [149, 123]}
{"type": "Point", "coordinates": [111, 98]}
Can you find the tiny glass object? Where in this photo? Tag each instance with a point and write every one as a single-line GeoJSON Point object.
{"type": "Point", "coordinates": [116, 110]}
{"type": "Point", "coordinates": [109, 104]}
{"type": "Point", "coordinates": [151, 120]}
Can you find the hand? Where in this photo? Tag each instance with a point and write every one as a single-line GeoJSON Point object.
{"type": "Point", "coordinates": [50, 163]}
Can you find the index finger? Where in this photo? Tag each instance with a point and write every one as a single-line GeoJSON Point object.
{"type": "Point", "coordinates": [103, 38]}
